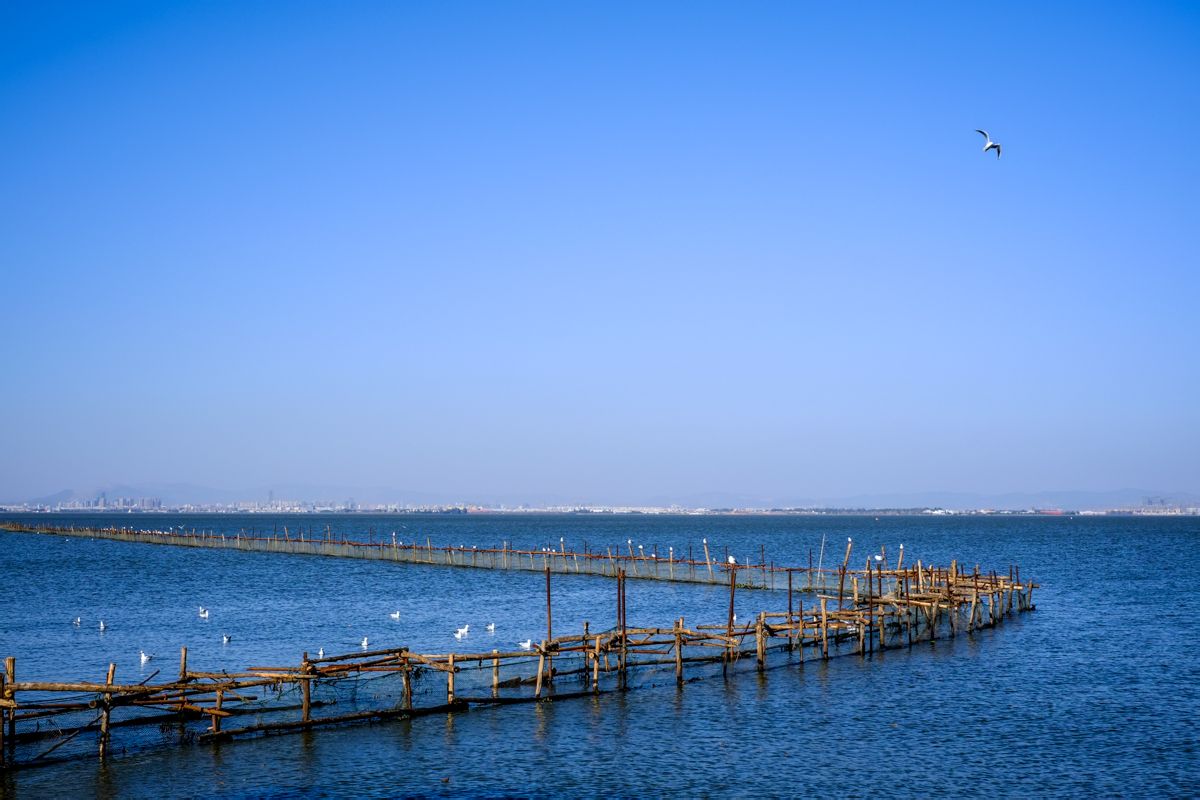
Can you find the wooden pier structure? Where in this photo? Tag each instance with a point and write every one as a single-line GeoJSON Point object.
{"type": "Point", "coordinates": [704, 566]}
{"type": "Point", "coordinates": [874, 609]}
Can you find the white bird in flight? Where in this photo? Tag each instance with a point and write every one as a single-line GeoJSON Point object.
{"type": "Point", "coordinates": [988, 143]}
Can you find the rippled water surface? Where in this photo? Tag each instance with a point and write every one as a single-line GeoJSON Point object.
{"type": "Point", "coordinates": [1097, 692]}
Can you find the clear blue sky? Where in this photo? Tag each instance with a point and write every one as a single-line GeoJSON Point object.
{"type": "Point", "coordinates": [600, 252]}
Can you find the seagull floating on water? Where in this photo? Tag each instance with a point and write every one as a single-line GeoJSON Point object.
{"type": "Point", "coordinates": [394, 615]}
{"type": "Point", "coordinates": [321, 653]}
{"type": "Point", "coordinates": [226, 638]}
{"type": "Point", "coordinates": [988, 143]}
{"type": "Point", "coordinates": [491, 627]}
{"type": "Point", "coordinates": [364, 643]}
{"type": "Point", "coordinates": [77, 622]}
{"type": "Point", "coordinates": [145, 656]}
{"type": "Point", "coordinates": [527, 644]}
{"type": "Point", "coordinates": [203, 612]}
{"type": "Point", "coordinates": [102, 626]}
{"type": "Point", "coordinates": [458, 634]}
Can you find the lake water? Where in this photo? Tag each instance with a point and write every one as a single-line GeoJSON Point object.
{"type": "Point", "coordinates": [1096, 692]}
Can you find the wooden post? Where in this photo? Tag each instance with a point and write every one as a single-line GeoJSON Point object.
{"type": "Point", "coordinates": [549, 625]}
{"type": "Point", "coordinates": [3, 718]}
{"type": "Point", "coordinates": [791, 631]}
{"type": "Point", "coordinates": [760, 641]}
{"type": "Point", "coordinates": [679, 651]}
{"type": "Point", "coordinates": [407, 675]}
{"type": "Point", "coordinates": [729, 617]}
{"type": "Point", "coordinates": [305, 688]}
{"type": "Point", "coordinates": [450, 679]}
{"type": "Point", "coordinates": [10, 674]}
{"type": "Point", "coordinates": [182, 664]}
{"type": "Point", "coordinates": [495, 673]}
{"type": "Point", "coordinates": [800, 639]}
{"type": "Point", "coordinates": [596, 667]}
{"type": "Point", "coordinates": [537, 692]}
{"type": "Point", "coordinates": [707, 560]}
{"type": "Point", "coordinates": [216, 718]}
{"type": "Point", "coordinates": [104, 713]}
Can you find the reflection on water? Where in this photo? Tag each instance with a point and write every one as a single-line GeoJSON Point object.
{"type": "Point", "coordinates": [1094, 693]}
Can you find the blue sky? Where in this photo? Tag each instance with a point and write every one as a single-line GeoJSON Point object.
{"type": "Point", "coordinates": [599, 252]}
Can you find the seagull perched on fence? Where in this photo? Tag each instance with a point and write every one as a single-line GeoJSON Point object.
{"type": "Point", "coordinates": [732, 561]}
{"type": "Point", "coordinates": [988, 143]}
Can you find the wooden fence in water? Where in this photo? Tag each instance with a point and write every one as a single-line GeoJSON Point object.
{"type": "Point", "coordinates": [639, 563]}
{"type": "Point", "coordinates": [881, 609]}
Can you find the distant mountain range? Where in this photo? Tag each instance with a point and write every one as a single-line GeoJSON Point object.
{"type": "Point", "coordinates": [175, 494]}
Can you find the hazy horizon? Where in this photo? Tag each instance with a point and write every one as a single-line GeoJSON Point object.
{"type": "Point", "coordinates": [604, 253]}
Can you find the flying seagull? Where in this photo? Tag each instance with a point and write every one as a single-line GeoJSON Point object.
{"type": "Point", "coordinates": [989, 144]}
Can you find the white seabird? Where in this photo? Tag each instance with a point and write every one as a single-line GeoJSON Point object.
{"type": "Point", "coordinates": [145, 656]}
{"type": "Point", "coordinates": [988, 143]}
{"type": "Point", "coordinates": [394, 615]}
{"type": "Point", "coordinates": [527, 644]}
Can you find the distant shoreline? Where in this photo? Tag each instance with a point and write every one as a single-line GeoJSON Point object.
{"type": "Point", "coordinates": [591, 511]}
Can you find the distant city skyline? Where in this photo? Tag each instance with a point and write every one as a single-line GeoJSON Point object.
{"type": "Point", "coordinates": [313, 498]}
{"type": "Point", "coordinates": [600, 254]}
